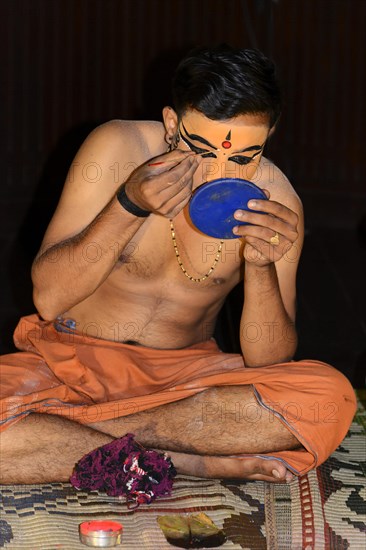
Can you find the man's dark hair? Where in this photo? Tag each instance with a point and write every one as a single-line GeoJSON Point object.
{"type": "Point", "coordinates": [225, 82]}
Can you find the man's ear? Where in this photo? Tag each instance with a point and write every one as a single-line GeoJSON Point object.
{"type": "Point", "coordinates": [170, 119]}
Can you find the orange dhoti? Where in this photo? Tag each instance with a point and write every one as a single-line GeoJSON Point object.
{"type": "Point", "coordinates": [89, 380]}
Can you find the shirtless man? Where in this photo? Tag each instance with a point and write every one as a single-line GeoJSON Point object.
{"type": "Point", "coordinates": [107, 269]}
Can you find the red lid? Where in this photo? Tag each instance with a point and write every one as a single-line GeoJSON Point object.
{"type": "Point", "coordinates": [89, 527]}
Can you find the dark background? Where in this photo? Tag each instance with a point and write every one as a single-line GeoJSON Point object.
{"type": "Point", "coordinates": [68, 65]}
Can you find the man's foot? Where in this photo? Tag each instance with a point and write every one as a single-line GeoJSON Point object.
{"type": "Point", "coordinates": [251, 468]}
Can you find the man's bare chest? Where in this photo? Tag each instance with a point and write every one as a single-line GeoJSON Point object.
{"type": "Point", "coordinates": [163, 251]}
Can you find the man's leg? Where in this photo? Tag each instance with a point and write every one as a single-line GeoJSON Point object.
{"type": "Point", "coordinates": [218, 421]}
{"type": "Point", "coordinates": [222, 420]}
{"type": "Point", "coordinates": [44, 448]}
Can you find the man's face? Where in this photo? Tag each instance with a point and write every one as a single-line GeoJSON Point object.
{"type": "Point", "coordinates": [229, 149]}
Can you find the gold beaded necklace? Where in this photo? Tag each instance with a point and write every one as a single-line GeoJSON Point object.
{"type": "Point", "coordinates": [194, 279]}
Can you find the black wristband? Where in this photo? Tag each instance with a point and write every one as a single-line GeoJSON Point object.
{"type": "Point", "coordinates": [130, 206]}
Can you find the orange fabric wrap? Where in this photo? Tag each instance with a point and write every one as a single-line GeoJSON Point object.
{"type": "Point", "coordinates": [90, 380]}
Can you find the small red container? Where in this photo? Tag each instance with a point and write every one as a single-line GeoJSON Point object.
{"type": "Point", "coordinates": [101, 534]}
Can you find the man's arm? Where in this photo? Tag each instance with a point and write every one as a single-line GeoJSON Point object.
{"type": "Point", "coordinates": [267, 330]}
{"type": "Point", "coordinates": [90, 228]}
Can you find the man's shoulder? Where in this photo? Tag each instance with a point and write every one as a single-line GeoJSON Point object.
{"type": "Point", "coordinates": [271, 177]}
{"type": "Point", "coordinates": [123, 126]}
{"type": "Point", "coordinates": [146, 135]}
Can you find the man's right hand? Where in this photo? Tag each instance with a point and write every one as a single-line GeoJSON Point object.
{"type": "Point", "coordinates": [163, 185]}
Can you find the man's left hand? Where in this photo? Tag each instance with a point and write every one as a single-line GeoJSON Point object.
{"type": "Point", "coordinates": [271, 233]}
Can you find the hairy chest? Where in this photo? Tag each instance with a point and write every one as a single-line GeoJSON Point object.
{"type": "Point", "coordinates": [188, 259]}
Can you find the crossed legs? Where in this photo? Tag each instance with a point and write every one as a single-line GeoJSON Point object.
{"type": "Point", "coordinates": [199, 433]}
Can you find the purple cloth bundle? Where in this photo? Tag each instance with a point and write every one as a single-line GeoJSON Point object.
{"type": "Point", "coordinates": [125, 468]}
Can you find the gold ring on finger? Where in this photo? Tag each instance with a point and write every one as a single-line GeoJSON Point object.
{"type": "Point", "coordinates": [275, 240]}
